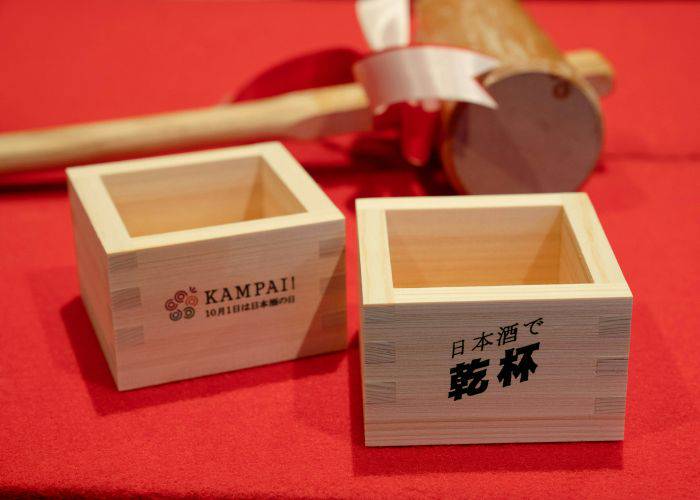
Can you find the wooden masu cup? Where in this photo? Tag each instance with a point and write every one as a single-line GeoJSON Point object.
{"type": "Point", "coordinates": [490, 319]}
{"type": "Point", "coordinates": [206, 262]}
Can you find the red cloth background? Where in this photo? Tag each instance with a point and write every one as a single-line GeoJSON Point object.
{"type": "Point", "coordinates": [295, 429]}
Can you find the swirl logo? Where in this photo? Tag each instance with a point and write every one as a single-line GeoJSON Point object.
{"type": "Point", "coordinates": [182, 304]}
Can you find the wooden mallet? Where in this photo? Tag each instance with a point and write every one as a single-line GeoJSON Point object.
{"type": "Point", "coordinates": [546, 134]}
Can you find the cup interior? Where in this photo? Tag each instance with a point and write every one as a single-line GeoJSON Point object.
{"type": "Point", "coordinates": [483, 246]}
{"type": "Point", "coordinates": [162, 200]}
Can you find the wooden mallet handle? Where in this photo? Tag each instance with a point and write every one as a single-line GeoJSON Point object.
{"type": "Point", "coordinates": [301, 114]}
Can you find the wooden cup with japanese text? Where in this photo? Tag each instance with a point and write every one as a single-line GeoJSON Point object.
{"type": "Point", "coordinates": [488, 319]}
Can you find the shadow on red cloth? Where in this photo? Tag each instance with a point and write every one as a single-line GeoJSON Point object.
{"type": "Point", "coordinates": [106, 399]}
{"type": "Point", "coordinates": [39, 181]}
{"type": "Point", "coordinates": [317, 69]}
{"type": "Point", "coordinates": [377, 170]}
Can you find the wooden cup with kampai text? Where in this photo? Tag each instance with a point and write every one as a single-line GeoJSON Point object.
{"type": "Point", "coordinates": [488, 319]}
{"type": "Point", "coordinates": [206, 262]}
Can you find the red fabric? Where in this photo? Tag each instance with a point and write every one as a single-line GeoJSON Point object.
{"type": "Point", "coordinates": [295, 429]}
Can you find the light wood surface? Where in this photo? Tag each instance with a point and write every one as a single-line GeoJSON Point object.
{"type": "Point", "coordinates": [546, 133]}
{"type": "Point", "coordinates": [437, 270]}
{"type": "Point", "coordinates": [236, 217]}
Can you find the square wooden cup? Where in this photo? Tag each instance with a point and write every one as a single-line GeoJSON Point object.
{"type": "Point", "coordinates": [206, 262]}
{"type": "Point", "coordinates": [490, 319]}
